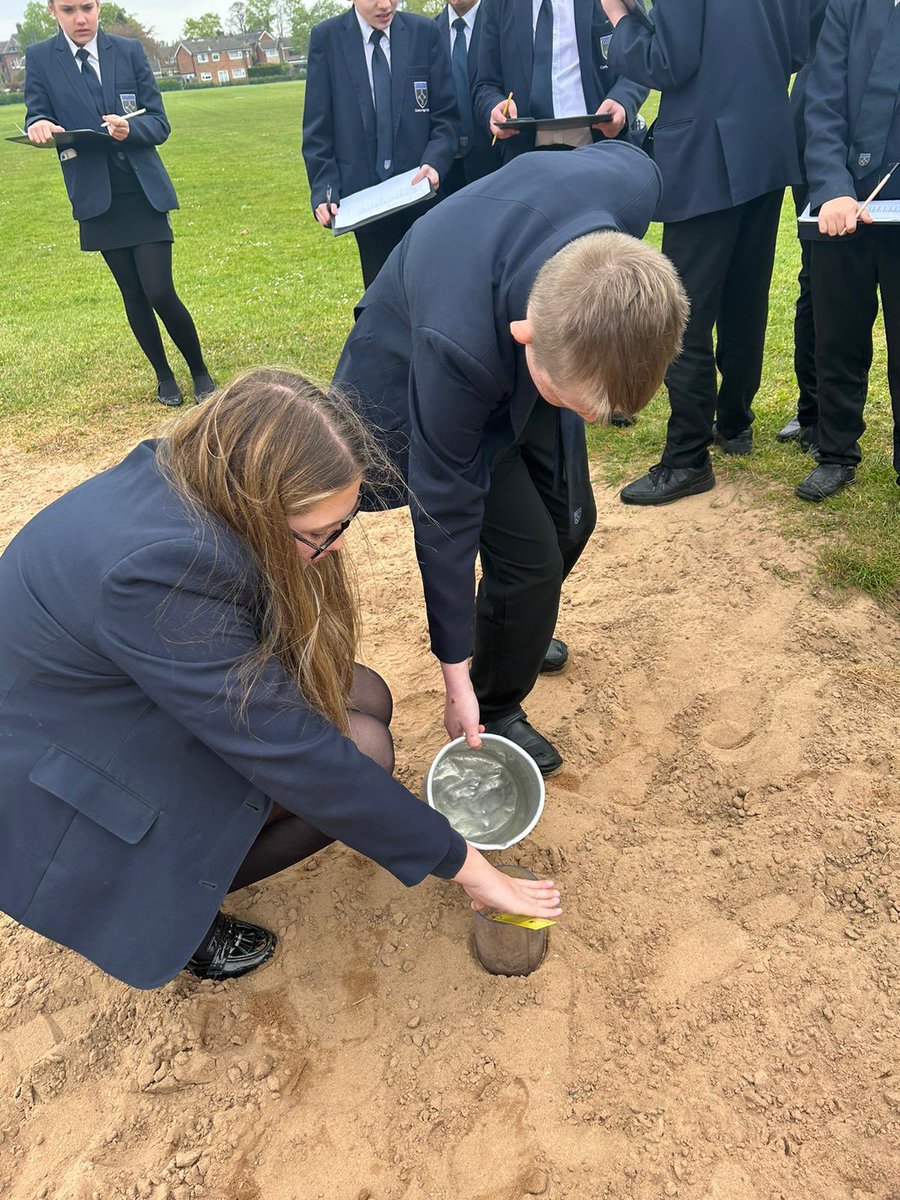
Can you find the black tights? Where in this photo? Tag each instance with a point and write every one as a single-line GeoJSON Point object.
{"type": "Point", "coordinates": [286, 839]}
{"type": "Point", "coordinates": [144, 276]}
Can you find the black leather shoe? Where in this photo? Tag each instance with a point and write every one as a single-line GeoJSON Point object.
{"type": "Point", "coordinates": [808, 439]}
{"type": "Point", "coordinates": [515, 726]}
{"type": "Point", "coordinates": [662, 484]}
{"type": "Point", "coordinates": [622, 420]}
{"type": "Point", "coordinates": [204, 386]}
{"type": "Point", "coordinates": [231, 948]}
{"type": "Point", "coordinates": [790, 432]}
{"type": "Point", "coordinates": [556, 657]}
{"type": "Point", "coordinates": [741, 443]}
{"type": "Point", "coordinates": [169, 393]}
{"type": "Point", "coordinates": [826, 480]}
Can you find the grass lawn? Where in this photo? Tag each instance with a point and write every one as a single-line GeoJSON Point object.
{"type": "Point", "coordinates": [266, 285]}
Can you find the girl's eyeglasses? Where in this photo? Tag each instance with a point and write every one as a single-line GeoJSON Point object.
{"type": "Point", "coordinates": [332, 537]}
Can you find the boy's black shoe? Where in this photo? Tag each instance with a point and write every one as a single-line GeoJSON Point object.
{"type": "Point", "coordinates": [516, 728]}
{"type": "Point", "coordinates": [662, 484]}
{"type": "Point", "coordinates": [826, 480]}
{"type": "Point", "coordinates": [231, 948]}
{"type": "Point", "coordinates": [790, 432]}
{"type": "Point", "coordinates": [556, 657]}
{"type": "Point", "coordinates": [741, 443]}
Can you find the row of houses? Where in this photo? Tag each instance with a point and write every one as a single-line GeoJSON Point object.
{"type": "Point", "coordinates": [206, 60]}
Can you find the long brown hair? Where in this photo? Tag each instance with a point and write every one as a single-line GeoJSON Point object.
{"type": "Point", "coordinates": [267, 447]}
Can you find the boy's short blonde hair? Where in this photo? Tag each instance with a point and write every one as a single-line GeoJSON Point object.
{"type": "Point", "coordinates": [607, 314]}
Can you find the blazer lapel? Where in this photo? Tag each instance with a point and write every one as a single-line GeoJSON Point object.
{"type": "Point", "coordinates": [355, 55]}
{"type": "Point", "coordinates": [878, 13]}
{"type": "Point", "coordinates": [584, 16]}
{"type": "Point", "coordinates": [525, 36]}
{"type": "Point", "coordinates": [399, 59]}
{"type": "Point", "coordinates": [106, 52]}
{"type": "Point", "coordinates": [73, 76]}
{"type": "Point", "coordinates": [473, 46]}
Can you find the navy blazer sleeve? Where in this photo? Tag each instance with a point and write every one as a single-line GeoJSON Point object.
{"type": "Point", "coordinates": [488, 91]}
{"type": "Point", "coordinates": [667, 57]}
{"type": "Point", "coordinates": [318, 124]}
{"type": "Point", "coordinates": [38, 105]}
{"type": "Point", "coordinates": [827, 118]}
{"type": "Point", "coordinates": [153, 127]}
{"type": "Point", "coordinates": [443, 133]}
{"type": "Point", "coordinates": [169, 620]}
{"type": "Point", "coordinates": [451, 397]}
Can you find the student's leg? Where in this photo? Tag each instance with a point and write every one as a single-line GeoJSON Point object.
{"type": "Point", "coordinates": [805, 345]}
{"type": "Point", "coordinates": [154, 267]}
{"type": "Point", "coordinates": [701, 249]}
{"type": "Point", "coordinates": [287, 839]}
{"type": "Point", "coordinates": [845, 303]}
{"type": "Point", "coordinates": [744, 313]}
{"type": "Point", "coordinates": [138, 310]}
{"type": "Point", "coordinates": [889, 278]}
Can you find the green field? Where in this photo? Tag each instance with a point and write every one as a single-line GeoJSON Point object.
{"type": "Point", "coordinates": [266, 285]}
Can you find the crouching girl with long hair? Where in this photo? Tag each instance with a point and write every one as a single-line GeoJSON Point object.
{"type": "Point", "coordinates": [182, 713]}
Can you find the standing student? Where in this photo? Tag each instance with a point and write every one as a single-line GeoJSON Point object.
{"type": "Point", "coordinates": [853, 136]}
{"type": "Point", "coordinates": [803, 428]}
{"type": "Point", "coordinates": [379, 102]}
{"type": "Point", "coordinates": [511, 313]}
{"type": "Point", "coordinates": [552, 56]}
{"type": "Point", "coordinates": [460, 23]}
{"type": "Point", "coordinates": [121, 194]}
{"type": "Point", "coordinates": [182, 714]}
{"type": "Point", "coordinates": [724, 141]}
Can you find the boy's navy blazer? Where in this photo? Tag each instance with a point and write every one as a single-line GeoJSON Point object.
{"type": "Point", "coordinates": [130, 791]}
{"type": "Point", "coordinates": [433, 363]}
{"type": "Point", "coordinates": [483, 157]}
{"type": "Point", "coordinates": [506, 60]}
{"type": "Point", "coordinates": [724, 133]}
{"type": "Point", "coordinates": [850, 37]}
{"type": "Point", "coordinates": [55, 91]}
{"type": "Point", "coordinates": [801, 80]}
{"type": "Point", "coordinates": [339, 136]}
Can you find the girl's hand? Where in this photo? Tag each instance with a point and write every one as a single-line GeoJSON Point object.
{"type": "Point", "coordinates": [41, 132]}
{"type": "Point", "coordinates": [461, 712]}
{"type": "Point", "coordinates": [489, 888]}
{"type": "Point", "coordinates": [118, 127]}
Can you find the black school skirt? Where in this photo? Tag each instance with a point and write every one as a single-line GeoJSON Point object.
{"type": "Point", "coordinates": [130, 220]}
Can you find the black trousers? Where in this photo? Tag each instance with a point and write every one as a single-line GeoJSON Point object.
{"type": "Point", "coordinates": [805, 331]}
{"type": "Point", "coordinates": [376, 241]}
{"type": "Point", "coordinates": [526, 553]}
{"type": "Point", "coordinates": [725, 262]}
{"type": "Point", "coordinates": [846, 278]}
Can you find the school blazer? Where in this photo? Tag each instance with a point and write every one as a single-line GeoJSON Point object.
{"type": "Point", "coordinates": [849, 40]}
{"type": "Point", "coordinates": [339, 136]}
{"type": "Point", "coordinates": [483, 157]}
{"type": "Point", "coordinates": [432, 362]}
{"type": "Point", "coordinates": [506, 61]}
{"type": "Point", "coordinates": [55, 91]}
{"type": "Point", "coordinates": [801, 80]}
{"type": "Point", "coordinates": [130, 791]}
{"type": "Point", "coordinates": [724, 133]}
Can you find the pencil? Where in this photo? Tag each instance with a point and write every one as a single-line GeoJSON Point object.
{"type": "Point", "coordinates": [505, 111]}
{"type": "Point", "coordinates": [127, 116]}
{"type": "Point", "coordinates": [865, 204]}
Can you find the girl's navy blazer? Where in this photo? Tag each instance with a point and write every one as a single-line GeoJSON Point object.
{"type": "Point", "coordinates": [55, 91]}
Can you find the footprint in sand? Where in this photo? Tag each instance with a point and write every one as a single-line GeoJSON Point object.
{"type": "Point", "coordinates": [736, 716]}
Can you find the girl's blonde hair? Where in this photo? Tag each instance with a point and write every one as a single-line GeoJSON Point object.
{"type": "Point", "coordinates": [267, 447]}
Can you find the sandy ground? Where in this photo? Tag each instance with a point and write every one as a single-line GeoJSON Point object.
{"type": "Point", "coordinates": [717, 1018]}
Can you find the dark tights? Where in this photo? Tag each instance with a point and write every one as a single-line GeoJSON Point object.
{"type": "Point", "coordinates": [286, 839]}
{"type": "Point", "coordinates": [144, 276]}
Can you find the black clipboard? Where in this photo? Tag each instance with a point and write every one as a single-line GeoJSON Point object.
{"type": "Point", "coordinates": [637, 8]}
{"type": "Point", "coordinates": [581, 121]}
{"type": "Point", "coordinates": [62, 141]}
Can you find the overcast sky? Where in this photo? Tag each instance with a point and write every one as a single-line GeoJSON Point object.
{"type": "Point", "coordinates": [165, 18]}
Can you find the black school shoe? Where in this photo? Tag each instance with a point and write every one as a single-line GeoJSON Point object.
{"type": "Point", "coordinates": [741, 443]}
{"type": "Point", "coordinates": [169, 393]}
{"type": "Point", "coordinates": [789, 432]}
{"type": "Point", "coordinates": [516, 728]}
{"type": "Point", "coordinates": [231, 948]}
{"type": "Point", "coordinates": [825, 481]}
{"type": "Point", "coordinates": [556, 657]}
{"type": "Point", "coordinates": [662, 484]}
{"type": "Point", "coordinates": [204, 386]}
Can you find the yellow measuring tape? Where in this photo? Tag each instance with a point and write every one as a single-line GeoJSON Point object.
{"type": "Point", "coordinates": [524, 922]}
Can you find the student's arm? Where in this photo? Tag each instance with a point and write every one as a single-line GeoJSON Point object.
{"type": "Point", "coordinates": [443, 132]}
{"type": "Point", "coordinates": [666, 58]}
{"type": "Point", "coordinates": [318, 129]}
{"type": "Point", "coordinates": [827, 124]}
{"type": "Point", "coordinates": [488, 96]}
{"type": "Point", "coordinates": [151, 128]}
{"type": "Point", "coordinates": [40, 119]}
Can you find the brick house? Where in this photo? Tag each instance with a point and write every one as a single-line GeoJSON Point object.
{"type": "Point", "coordinates": [12, 60]}
{"type": "Point", "coordinates": [228, 59]}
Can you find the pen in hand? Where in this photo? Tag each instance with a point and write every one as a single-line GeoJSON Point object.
{"type": "Point", "coordinates": [127, 116]}
{"type": "Point", "coordinates": [505, 113]}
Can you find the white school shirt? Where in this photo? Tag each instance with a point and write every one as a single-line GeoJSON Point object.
{"type": "Point", "coordinates": [366, 30]}
{"type": "Point", "coordinates": [568, 91]}
{"type": "Point", "coordinates": [469, 19]}
{"type": "Point", "coordinates": [93, 56]}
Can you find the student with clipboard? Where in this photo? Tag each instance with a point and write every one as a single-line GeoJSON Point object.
{"type": "Point", "coordinates": [120, 192]}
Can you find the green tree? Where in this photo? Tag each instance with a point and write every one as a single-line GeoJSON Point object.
{"type": "Point", "coordinates": [207, 25]}
{"type": "Point", "coordinates": [237, 18]}
{"type": "Point", "coordinates": [426, 8]}
{"type": "Point", "coordinates": [36, 24]}
{"type": "Point", "coordinates": [303, 19]}
{"type": "Point", "coordinates": [114, 14]}
{"type": "Point", "coordinates": [261, 15]}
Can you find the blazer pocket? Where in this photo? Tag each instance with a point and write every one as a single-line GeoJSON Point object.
{"type": "Point", "coordinates": [96, 795]}
{"type": "Point", "coordinates": [673, 126]}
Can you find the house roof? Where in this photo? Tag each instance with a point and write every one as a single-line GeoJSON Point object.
{"type": "Point", "coordinates": [10, 47]}
{"type": "Point", "coordinates": [238, 41]}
